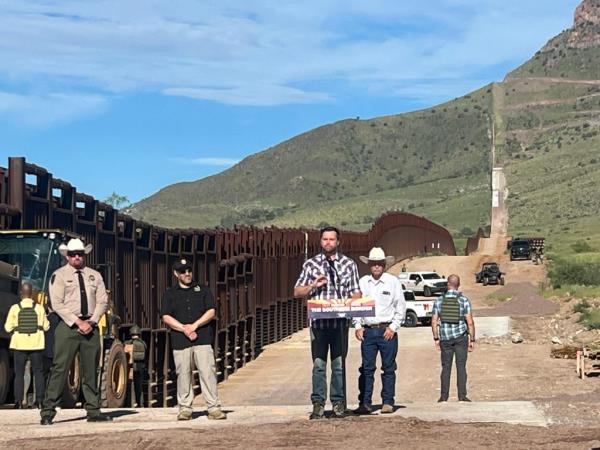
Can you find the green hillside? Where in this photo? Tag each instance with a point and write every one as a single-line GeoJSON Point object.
{"type": "Point", "coordinates": [348, 173]}
{"type": "Point", "coordinates": [551, 153]}
{"type": "Point", "coordinates": [561, 61]}
{"type": "Point", "coordinates": [435, 162]}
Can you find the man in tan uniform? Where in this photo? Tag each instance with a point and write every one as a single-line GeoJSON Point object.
{"type": "Point", "coordinates": [78, 296]}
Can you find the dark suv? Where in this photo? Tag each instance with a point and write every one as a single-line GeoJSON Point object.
{"type": "Point", "coordinates": [520, 249]}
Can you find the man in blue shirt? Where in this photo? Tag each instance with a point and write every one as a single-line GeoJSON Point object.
{"type": "Point", "coordinates": [454, 334]}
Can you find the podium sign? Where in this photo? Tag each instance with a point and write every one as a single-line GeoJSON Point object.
{"type": "Point", "coordinates": [341, 309]}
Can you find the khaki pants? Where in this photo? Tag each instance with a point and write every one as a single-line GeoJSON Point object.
{"type": "Point", "coordinates": [204, 360]}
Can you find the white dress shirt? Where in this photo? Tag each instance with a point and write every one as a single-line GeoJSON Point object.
{"type": "Point", "coordinates": [390, 305]}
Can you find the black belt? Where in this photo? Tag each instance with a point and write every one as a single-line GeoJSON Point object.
{"type": "Point", "coordinates": [378, 325]}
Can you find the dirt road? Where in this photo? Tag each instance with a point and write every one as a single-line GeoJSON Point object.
{"type": "Point", "coordinates": [522, 278]}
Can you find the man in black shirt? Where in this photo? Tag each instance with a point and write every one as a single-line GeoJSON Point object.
{"type": "Point", "coordinates": [189, 310]}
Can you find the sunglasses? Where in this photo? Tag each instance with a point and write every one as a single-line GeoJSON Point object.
{"type": "Point", "coordinates": [186, 271]}
{"type": "Point", "coordinates": [74, 254]}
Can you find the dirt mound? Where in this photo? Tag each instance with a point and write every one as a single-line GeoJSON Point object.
{"type": "Point", "coordinates": [563, 324]}
{"type": "Point", "coordinates": [524, 300]}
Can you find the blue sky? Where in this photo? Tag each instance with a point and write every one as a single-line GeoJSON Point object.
{"type": "Point", "coordinates": [114, 96]}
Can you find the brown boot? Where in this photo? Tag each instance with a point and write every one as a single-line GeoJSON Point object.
{"type": "Point", "coordinates": [387, 409]}
{"type": "Point", "coordinates": [217, 414]}
{"type": "Point", "coordinates": [184, 414]}
{"type": "Point", "coordinates": [318, 411]}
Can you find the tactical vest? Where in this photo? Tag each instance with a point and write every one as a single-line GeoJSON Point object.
{"type": "Point", "coordinates": [139, 350]}
{"type": "Point", "coordinates": [27, 320]}
{"type": "Point", "coordinates": [450, 310]}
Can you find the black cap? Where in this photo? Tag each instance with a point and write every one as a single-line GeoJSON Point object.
{"type": "Point", "coordinates": [181, 265]}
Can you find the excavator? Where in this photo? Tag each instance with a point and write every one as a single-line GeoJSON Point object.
{"type": "Point", "coordinates": [32, 255]}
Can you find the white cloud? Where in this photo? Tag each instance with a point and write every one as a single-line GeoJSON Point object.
{"type": "Point", "coordinates": [256, 95]}
{"type": "Point", "coordinates": [48, 109]}
{"type": "Point", "coordinates": [256, 53]}
{"type": "Point", "coordinates": [207, 161]}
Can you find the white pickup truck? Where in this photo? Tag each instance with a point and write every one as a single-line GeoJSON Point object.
{"type": "Point", "coordinates": [424, 283]}
{"type": "Point", "coordinates": [417, 310]}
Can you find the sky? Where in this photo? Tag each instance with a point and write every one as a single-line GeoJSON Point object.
{"type": "Point", "coordinates": [129, 97]}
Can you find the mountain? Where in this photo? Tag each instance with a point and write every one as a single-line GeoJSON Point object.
{"type": "Point", "coordinates": [346, 173]}
{"type": "Point", "coordinates": [543, 121]}
{"type": "Point", "coordinates": [548, 135]}
{"type": "Point", "coordinates": [573, 54]}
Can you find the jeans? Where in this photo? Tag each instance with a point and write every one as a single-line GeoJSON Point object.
{"type": "Point", "coordinates": [459, 347]}
{"type": "Point", "coordinates": [322, 341]}
{"type": "Point", "coordinates": [20, 358]}
{"type": "Point", "coordinates": [372, 343]}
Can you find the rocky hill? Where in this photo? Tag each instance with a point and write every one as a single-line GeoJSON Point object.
{"type": "Point", "coordinates": [573, 54]}
{"type": "Point", "coordinates": [548, 124]}
{"type": "Point", "coordinates": [543, 119]}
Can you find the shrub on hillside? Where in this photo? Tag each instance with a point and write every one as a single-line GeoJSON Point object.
{"type": "Point", "coordinates": [581, 307]}
{"type": "Point", "coordinates": [467, 232]}
{"type": "Point", "coordinates": [591, 319]}
{"type": "Point", "coordinates": [581, 247]}
{"type": "Point", "coordinates": [574, 272]}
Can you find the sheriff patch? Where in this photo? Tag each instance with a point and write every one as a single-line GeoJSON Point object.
{"type": "Point", "coordinates": [91, 277]}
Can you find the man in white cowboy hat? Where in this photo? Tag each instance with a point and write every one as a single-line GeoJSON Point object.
{"type": "Point", "coordinates": [379, 333]}
{"type": "Point", "coordinates": [78, 296]}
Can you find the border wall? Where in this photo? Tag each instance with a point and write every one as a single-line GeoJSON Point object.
{"type": "Point", "coordinates": [251, 271]}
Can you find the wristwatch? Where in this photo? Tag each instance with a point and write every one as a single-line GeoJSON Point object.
{"type": "Point", "coordinates": [436, 339]}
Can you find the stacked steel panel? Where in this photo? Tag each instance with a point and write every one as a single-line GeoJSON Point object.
{"type": "Point", "coordinates": [250, 271]}
{"type": "Point", "coordinates": [473, 242]}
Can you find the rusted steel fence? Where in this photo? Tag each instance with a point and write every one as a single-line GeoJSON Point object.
{"type": "Point", "coordinates": [473, 242]}
{"type": "Point", "coordinates": [251, 271]}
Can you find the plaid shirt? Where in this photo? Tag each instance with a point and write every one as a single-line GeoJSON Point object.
{"type": "Point", "coordinates": [342, 281]}
{"type": "Point", "coordinates": [450, 330]}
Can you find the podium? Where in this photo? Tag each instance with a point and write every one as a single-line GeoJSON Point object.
{"type": "Point", "coordinates": [341, 309]}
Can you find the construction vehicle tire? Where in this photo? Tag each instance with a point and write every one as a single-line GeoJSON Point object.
{"type": "Point", "coordinates": [113, 382]}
